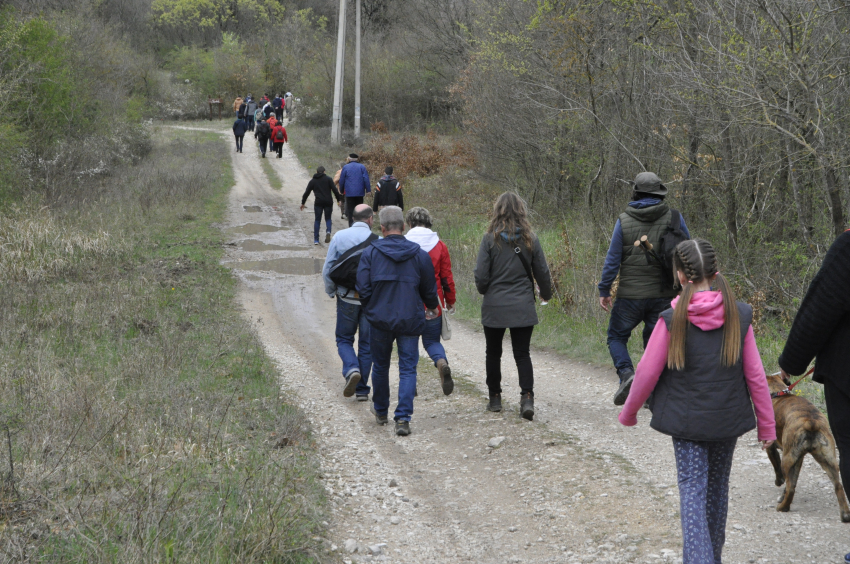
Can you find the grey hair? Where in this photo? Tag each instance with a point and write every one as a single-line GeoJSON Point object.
{"type": "Point", "coordinates": [392, 218]}
{"type": "Point", "coordinates": [419, 217]}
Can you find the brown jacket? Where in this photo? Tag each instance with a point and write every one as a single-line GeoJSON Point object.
{"type": "Point", "coordinates": [236, 103]}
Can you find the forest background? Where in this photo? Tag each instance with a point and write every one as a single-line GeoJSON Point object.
{"type": "Point", "coordinates": [740, 106]}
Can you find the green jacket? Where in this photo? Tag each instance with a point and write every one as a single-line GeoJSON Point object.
{"type": "Point", "coordinates": [640, 275]}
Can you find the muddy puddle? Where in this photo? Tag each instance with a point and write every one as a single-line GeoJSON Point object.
{"type": "Point", "coordinates": [255, 246]}
{"type": "Point", "coordinates": [256, 229]}
{"type": "Point", "coordinates": [291, 265]}
{"type": "Point", "coordinates": [252, 209]}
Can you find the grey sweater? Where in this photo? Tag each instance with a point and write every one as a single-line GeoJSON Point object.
{"type": "Point", "coordinates": [502, 279]}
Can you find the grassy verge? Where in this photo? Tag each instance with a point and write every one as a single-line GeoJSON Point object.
{"type": "Point", "coordinates": [274, 178]}
{"type": "Point", "coordinates": [143, 419]}
{"type": "Point", "coordinates": [573, 323]}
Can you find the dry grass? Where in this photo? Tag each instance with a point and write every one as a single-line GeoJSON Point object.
{"type": "Point", "coordinates": [143, 419]}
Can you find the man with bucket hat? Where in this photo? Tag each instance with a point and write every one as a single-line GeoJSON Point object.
{"type": "Point", "coordinates": [643, 292]}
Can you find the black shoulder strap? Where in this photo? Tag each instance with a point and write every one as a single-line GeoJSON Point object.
{"type": "Point", "coordinates": [675, 219]}
{"type": "Point", "coordinates": [527, 267]}
{"type": "Point", "coordinates": [342, 258]}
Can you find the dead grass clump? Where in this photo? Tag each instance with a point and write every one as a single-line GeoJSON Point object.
{"type": "Point", "coordinates": [410, 156]}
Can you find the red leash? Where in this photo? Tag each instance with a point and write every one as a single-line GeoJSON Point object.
{"type": "Point", "coordinates": [789, 390]}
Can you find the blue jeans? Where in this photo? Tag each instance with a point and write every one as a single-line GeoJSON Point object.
{"type": "Point", "coordinates": [408, 358]}
{"type": "Point", "coordinates": [350, 319]}
{"type": "Point", "coordinates": [625, 316]}
{"type": "Point", "coordinates": [431, 339]}
{"type": "Point", "coordinates": [263, 143]}
{"type": "Point", "coordinates": [703, 468]}
{"type": "Point", "coordinates": [319, 211]}
{"type": "Point", "coordinates": [250, 120]}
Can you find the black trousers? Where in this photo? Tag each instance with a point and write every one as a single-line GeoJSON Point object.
{"type": "Point", "coordinates": [838, 411]}
{"type": "Point", "coordinates": [239, 140]}
{"type": "Point", "coordinates": [278, 147]}
{"type": "Point", "coordinates": [278, 113]}
{"type": "Point", "coordinates": [521, 344]}
{"type": "Point", "coordinates": [352, 202]}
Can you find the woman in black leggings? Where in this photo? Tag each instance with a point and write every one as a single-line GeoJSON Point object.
{"type": "Point", "coordinates": [509, 256]}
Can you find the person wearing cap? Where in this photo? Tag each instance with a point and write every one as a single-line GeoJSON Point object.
{"type": "Point", "coordinates": [354, 184]}
{"type": "Point", "coordinates": [263, 134]}
{"type": "Point", "coordinates": [641, 296]}
{"type": "Point", "coordinates": [387, 191]}
{"type": "Point", "coordinates": [324, 189]}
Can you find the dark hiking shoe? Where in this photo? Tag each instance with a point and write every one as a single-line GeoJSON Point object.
{"type": "Point", "coordinates": [361, 397]}
{"type": "Point", "coordinates": [402, 428]}
{"type": "Point", "coordinates": [327, 238]}
{"type": "Point", "coordinates": [627, 376]}
{"type": "Point", "coordinates": [847, 559]}
{"type": "Point", "coordinates": [526, 407]}
{"type": "Point", "coordinates": [495, 403]}
{"type": "Point", "coordinates": [351, 384]}
{"type": "Point", "coordinates": [445, 376]}
{"type": "Point", "coordinates": [380, 419]}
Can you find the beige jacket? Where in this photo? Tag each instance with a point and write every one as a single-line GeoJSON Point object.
{"type": "Point", "coordinates": [236, 103]}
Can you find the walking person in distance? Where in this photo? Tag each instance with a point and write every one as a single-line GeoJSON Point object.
{"type": "Point", "coordinates": [388, 191]}
{"type": "Point", "coordinates": [397, 288]}
{"type": "Point", "coordinates": [420, 222]}
{"type": "Point", "coordinates": [353, 184]}
{"type": "Point", "coordinates": [645, 289]}
{"type": "Point", "coordinates": [510, 259]}
{"type": "Point", "coordinates": [263, 134]}
{"type": "Point", "coordinates": [324, 190]}
{"type": "Point", "coordinates": [250, 111]}
{"type": "Point", "coordinates": [705, 375]}
{"type": "Point", "coordinates": [348, 245]}
{"type": "Point", "coordinates": [278, 137]}
{"type": "Point", "coordinates": [239, 129]}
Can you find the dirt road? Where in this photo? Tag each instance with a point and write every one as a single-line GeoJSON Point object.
{"type": "Point", "coordinates": [573, 486]}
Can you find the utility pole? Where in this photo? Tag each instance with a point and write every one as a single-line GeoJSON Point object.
{"type": "Point", "coordinates": [336, 120]}
{"type": "Point", "coordinates": [357, 77]}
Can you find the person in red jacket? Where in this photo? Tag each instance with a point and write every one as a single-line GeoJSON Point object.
{"type": "Point", "coordinates": [419, 220]}
{"type": "Point", "coordinates": [279, 138]}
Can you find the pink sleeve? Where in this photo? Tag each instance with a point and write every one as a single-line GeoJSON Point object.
{"type": "Point", "coordinates": [648, 371]}
{"type": "Point", "coordinates": [759, 392]}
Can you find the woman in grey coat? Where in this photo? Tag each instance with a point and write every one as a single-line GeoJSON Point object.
{"type": "Point", "coordinates": [510, 253]}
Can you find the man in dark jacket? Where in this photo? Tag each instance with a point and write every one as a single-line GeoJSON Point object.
{"type": "Point", "coordinates": [388, 191]}
{"type": "Point", "coordinates": [395, 277]}
{"type": "Point", "coordinates": [277, 104]}
{"type": "Point", "coordinates": [353, 184]}
{"type": "Point", "coordinates": [239, 129]}
{"type": "Point", "coordinates": [641, 295]}
{"type": "Point", "coordinates": [250, 110]}
{"type": "Point", "coordinates": [322, 186]}
{"type": "Point", "coordinates": [263, 134]}
{"type": "Point", "coordinates": [821, 331]}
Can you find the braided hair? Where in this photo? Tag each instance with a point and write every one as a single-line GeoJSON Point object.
{"type": "Point", "coordinates": [697, 260]}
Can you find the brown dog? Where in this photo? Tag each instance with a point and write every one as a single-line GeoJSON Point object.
{"type": "Point", "coordinates": [801, 429]}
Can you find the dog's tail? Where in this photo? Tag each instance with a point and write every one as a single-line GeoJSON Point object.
{"type": "Point", "coordinates": [810, 425]}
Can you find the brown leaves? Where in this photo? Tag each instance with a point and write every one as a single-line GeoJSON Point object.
{"type": "Point", "coordinates": [410, 156]}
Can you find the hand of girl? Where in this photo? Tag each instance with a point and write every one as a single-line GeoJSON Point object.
{"type": "Point", "coordinates": [766, 444]}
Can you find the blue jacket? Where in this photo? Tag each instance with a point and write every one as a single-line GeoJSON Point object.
{"type": "Point", "coordinates": [395, 277]}
{"type": "Point", "coordinates": [354, 180]}
{"type": "Point", "coordinates": [615, 251]}
{"type": "Point", "coordinates": [342, 241]}
{"type": "Point", "coordinates": [239, 127]}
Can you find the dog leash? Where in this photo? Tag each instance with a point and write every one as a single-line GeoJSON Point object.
{"type": "Point", "coordinates": [789, 390]}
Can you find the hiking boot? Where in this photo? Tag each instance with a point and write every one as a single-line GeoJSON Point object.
{"type": "Point", "coordinates": [328, 238]}
{"type": "Point", "coordinates": [847, 558]}
{"type": "Point", "coordinates": [627, 376]}
{"type": "Point", "coordinates": [350, 384]}
{"type": "Point", "coordinates": [380, 419]}
{"type": "Point", "coordinates": [445, 376]}
{"type": "Point", "coordinates": [526, 406]}
{"type": "Point", "coordinates": [402, 428]}
{"type": "Point", "coordinates": [362, 397]}
{"type": "Point", "coordinates": [495, 403]}
{"type": "Point", "coordinates": [316, 242]}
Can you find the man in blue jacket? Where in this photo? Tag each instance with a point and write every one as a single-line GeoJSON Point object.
{"type": "Point", "coordinates": [395, 277]}
{"type": "Point", "coordinates": [353, 184]}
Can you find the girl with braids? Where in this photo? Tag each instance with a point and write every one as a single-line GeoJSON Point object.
{"type": "Point", "coordinates": [705, 375]}
{"type": "Point", "coordinates": [509, 256]}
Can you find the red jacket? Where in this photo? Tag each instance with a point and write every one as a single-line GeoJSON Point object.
{"type": "Point", "coordinates": [277, 128]}
{"type": "Point", "coordinates": [443, 273]}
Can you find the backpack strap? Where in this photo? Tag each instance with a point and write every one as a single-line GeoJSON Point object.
{"type": "Point", "coordinates": [527, 267]}
{"type": "Point", "coordinates": [675, 219]}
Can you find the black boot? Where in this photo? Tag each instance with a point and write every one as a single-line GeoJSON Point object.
{"type": "Point", "coordinates": [627, 376]}
{"type": "Point", "coordinates": [526, 406]}
{"type": "Point", "coordinates": [495, 403]}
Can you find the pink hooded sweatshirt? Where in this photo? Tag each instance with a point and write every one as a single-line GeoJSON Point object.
{"type": "Point", "coordinates": [706, 312]}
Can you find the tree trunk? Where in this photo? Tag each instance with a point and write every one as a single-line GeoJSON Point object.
{"type": "Point", "coordinates": [795, 191]}
{"type": "Point", "coordinates": [731, 192]}
{"type": "Point", "coordinates": [833, 192]}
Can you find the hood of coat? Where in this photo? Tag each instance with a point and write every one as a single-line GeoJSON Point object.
{"type": "Point", "coordinates": [705, 310]}
{"type": "Point", "coordinates": [388, 177]}
{"type": "Point", "coordinates": [647, 213]}
{"type": "Point", "coordinates": [423, 237]}
{"type": "Point", "coordinates": [397, 248]}
{"type": "Point", "coordinates": [318, 175]}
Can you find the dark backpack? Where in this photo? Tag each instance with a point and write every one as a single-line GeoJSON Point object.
{"type": "Point", "coordinates": [673, 235]}
{"type": "Point", "coordinates": [279, 135]}
{"type": "Point", "coordinates": [344, 271]}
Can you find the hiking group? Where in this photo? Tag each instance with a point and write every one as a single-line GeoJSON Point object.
{"type": "Point", "coordinates": [265, 119]}
{"type": "Point", "coordinates": [701, 374]}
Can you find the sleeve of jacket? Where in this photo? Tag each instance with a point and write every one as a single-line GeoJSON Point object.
{"type": "Point", "coordinates": [342, 175]}
{"type": "Point", "coordinates": [446, 277]}
{"type": "Point", "coordinates": [377, 199]}
{"type": "Point", "coordinates": [364, 277]}
{"type": "Point", "coordinates": [826, 302]}
{"type": "Point", "coordinates": [285, 138]}
{"type": "Point", "coordinates": [482, 266]}
{"type": "Point", "coordinates": [611, 267]}
{"type": "Point", "coordinates": [400, 196]}
{"type": "Point", "coordinates": [330, 259]}
{"type": "Point", "coordinates": [310, 187]}
{"type": "Point", "coordinates": [367, 187]}
{"type": "Point", "coordinates": [541, 271]}
{"type": "Point", "coordinates": [427, 281]}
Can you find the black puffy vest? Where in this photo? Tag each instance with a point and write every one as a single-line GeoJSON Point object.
{"type": "Point", "coordinates": [706, 401]}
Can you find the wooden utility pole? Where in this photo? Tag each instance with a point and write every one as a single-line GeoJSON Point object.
{"type": "Point", "coordinates": [336, 120]}
{"type": "Point", "coordinates": [357, 76]}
